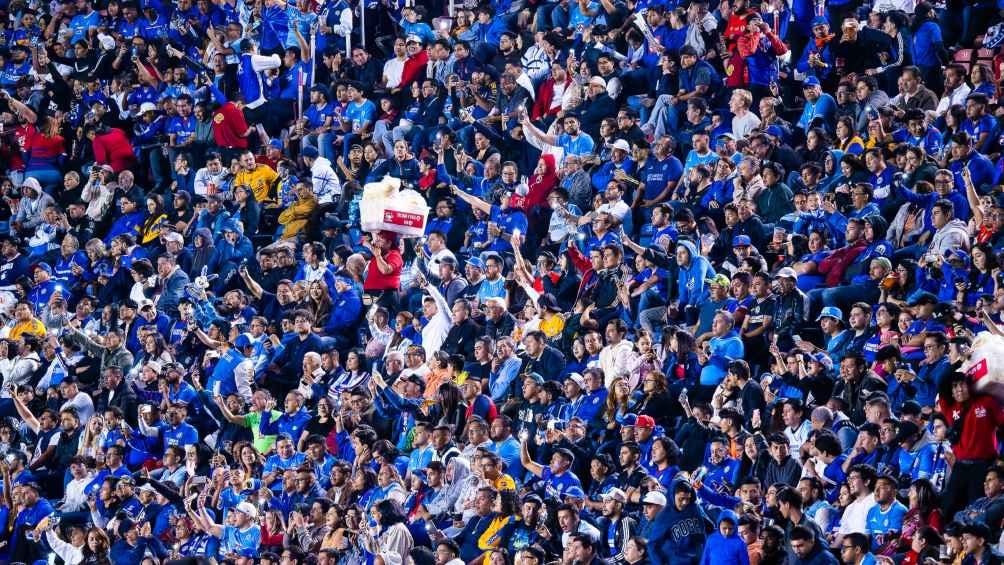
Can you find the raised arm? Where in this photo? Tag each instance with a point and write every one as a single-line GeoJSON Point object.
{"type": "Point", "coordinates": [474, 201]}
{"type": "Point", "coordinates": [253, 287]}
{"type": "Point", "coordinates": [529, 464]}
{"type": "Point", "coordinates": [230, 416]}
{"type": "Point", "coordinates": [536, 132]}
{"type": "Point", "coordinates": [25, 414]}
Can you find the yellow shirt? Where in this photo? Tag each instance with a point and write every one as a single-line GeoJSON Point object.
{"type": "Point", "coordinates": [33, 326]}
{"type": "Point", "coordinates": [505, 482]}
{"type": "Point", "coordinates": [553, 326]}
{"type": "Point", "coordinates": [260, 180]}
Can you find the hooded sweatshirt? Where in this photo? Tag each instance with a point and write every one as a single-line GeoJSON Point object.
{"type": "Point", "coordinates": [721, 550]}
{"type": "Point", "coordinates": [952, 235]}
{"type": "Point", "coordinates": [677, 536]}
{"type": "Point", "coordinates": [540, 185]}
{"type": "Point", "coordinates": [690, 280]}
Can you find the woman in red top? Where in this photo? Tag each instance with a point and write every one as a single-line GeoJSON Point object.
{"type": "Point", "coordinates": [112, 148]}
{"type": "Point", "coordinates": [383, 278]}
{"type": "Point", "coordinates": [43, 148]}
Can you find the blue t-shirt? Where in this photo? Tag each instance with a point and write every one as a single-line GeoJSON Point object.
{"type": "Point", "coordinates": [317, 116]}
{"type": "Point", "coordinates": [891, 520]}
{"type": "Point", "coordinates": [183, 128]}
{"type": "Point", "coordinates": [581, 145]}
{"type": "Point", "coordinates": [80, 24]}
{"type": "Point", "coordinates": [181, 436]}
{"type": "Point", "coordinates": [360, 114]}
{"type": "Point", "coordinates": [507, 220]}
{"type": "Point", "coordinates": [242, 542]}
{"type": "Point", "coordinates": [131, 30]}
{"type": "Point", "coordinates": [557, 485]}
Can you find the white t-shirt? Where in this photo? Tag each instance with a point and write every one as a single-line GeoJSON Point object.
{"type": "Point", "coordinates": [855, 518]}
{"type": "Point", "coordinates": [741, 127]}
{"type": "Point", "coordinates": [393, 70]}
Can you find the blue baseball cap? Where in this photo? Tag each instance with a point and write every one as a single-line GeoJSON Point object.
{"type": "Point", "coordinates": [742, 241]}
{"type": "Point", "coordinates": [831, 312]}
{"type": "Point", "coordinates": [775, 131]}
{"type": "Point", "coordinates": [275, 142]}
{"type": "Point", "coordinates": [810, 81]}
{"type": "Point", "coordinates": [820, 21]}
{"type": "Point", "coordinates": [574, 492]}
{"type": "Point", "coordinates": [243, 340]}
{"type": "Point", "coordinates": [476, 262]}
{"type": "Point", "coordinates": [44, 266]}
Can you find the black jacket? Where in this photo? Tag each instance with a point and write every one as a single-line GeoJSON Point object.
{"type": "Point", "coordinates": [461, 339]}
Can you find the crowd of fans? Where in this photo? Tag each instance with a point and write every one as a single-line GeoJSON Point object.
{"type": "Point", "coordinates": [696, 288]}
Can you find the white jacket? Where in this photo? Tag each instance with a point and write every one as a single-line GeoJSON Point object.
{"type": "Point", "coordinates": [616, 360]}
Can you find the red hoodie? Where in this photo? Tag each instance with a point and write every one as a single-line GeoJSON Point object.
{"type": "Point", "coordinates": [540, 185]}
{"type": "Point", "coordinates": [113, 148]}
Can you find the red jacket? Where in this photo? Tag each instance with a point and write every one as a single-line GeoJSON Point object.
{"type": "Point", "coordinates": [113, 148]}
{"type": "Point", "coordinates": [228, 125]}
{"type": "Point", "coordinates": [545, 96]}
{"type": "Point", "coordinates": [838, 261]}
{"type": "Point", "coordinates": [981, 417]}
{"type": "Point", "coordinates": [414, 68]}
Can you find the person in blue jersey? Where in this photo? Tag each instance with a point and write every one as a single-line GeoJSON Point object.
{"type": "Point", "coordinates": [249, 80]}
{"type": "Point", "coordinates": [820, 108]}
{"type": "Point", "coordinates": [572, 141]}
{"type": "Point", "coordinates": [918, 132]}
{"type": "Point", "coordinates": [297, 66]}
{"type": "Point", "coordinates": [505, 223]}
{"type": "Point", "coordinates": [292, 422]}
{"type": "Point", "coordinates": [356, 122]}
{"type": "Point", "coordinates": [285, 457]}
{"type": "Point", "coordinates": [241, 538]}
{"type": "Point", "coordinates": [557, 478]}
{"type": "Point", "coordinates": [177, 431]}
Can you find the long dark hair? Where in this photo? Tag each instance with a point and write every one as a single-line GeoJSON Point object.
{"type": "Point", "coordinates": [685, 344]}
{"type": "Point", "coordinates": [449, 393]}
{"type": "Point", "coordinates": [927, 498]}
{"type": "Point", "coordinates": [390, 513]}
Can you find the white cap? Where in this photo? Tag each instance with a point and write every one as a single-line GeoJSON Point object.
{"type": "Point", "coordinates": [787, 273]}
{"type": "Point", "coordinates": [598, 81]}
{"type": "Point", "coordinates": [654, 497]}
{"type": "Point", "coordinates": [107, 41]}
{"type": "Point", "coordinates": [615, 494]}
{"type": "Point", "coordinates": [145, 303]}
{"type": "Point", "coordinates": [175, 237]}
{"type": "Point", "coordinates": [248, 509]}
{"type": "Point", "coordinates": [578, 379]}
{"type": "Point", "coordinates": [147, 107]}
{"type": "Point", "coordinates": [622, 145]}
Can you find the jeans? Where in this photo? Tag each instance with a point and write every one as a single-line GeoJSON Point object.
{"type": "Point", "coordinates": [665, 117]}
{"type": "Point", "coordinates": [390, 137]}
{"type": "Point", "coordinates": [324, 143]}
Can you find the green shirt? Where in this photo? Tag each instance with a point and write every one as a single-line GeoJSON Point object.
{"type": "Point", "coordinates": [253, 420]}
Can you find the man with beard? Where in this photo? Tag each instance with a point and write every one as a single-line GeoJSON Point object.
{"type": "Point", "coordinates": [616, 526]}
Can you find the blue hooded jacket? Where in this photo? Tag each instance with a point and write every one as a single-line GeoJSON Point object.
{"type": "Point", "coordinates": [677, 536]}
{"type": "Point", "coordinates": [721, 550]}
{"type": "Point", "coordinates": [690, 280]}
